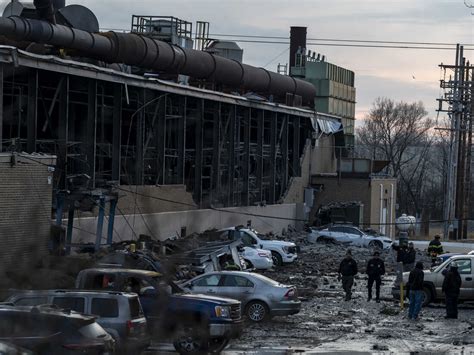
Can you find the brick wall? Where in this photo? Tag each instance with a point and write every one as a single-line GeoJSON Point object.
{"type": "Point", "coordinates": [25, 211]}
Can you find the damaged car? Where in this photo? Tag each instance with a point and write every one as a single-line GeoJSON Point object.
{"type": "Point", "coordinates": [255, 258]}
{"type": "Point", "coordinates": [261, 297]}
{"type": "Point", "coordinates": [282, 252]}
{"type": "Point", "coordinates": [350, 235]}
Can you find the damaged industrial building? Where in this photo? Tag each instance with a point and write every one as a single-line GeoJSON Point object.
{"type": "Point", "coordinates": [174, 129]}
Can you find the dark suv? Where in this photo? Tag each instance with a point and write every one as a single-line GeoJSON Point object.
{"type": "Point", "coordinates": [46, 330]}
{"type": "Point", "coordinates": [196, 323]}
{"type": "Point", "coordinates": [119, 313]}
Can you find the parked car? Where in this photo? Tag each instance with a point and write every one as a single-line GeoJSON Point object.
{"type": "Point", "coordinates": [46, 330]}
{"type": "Point", "coordinates": [282, 252]}
{"type": "Point", "coordinates": [257, 258]}
{"type": "Point", "coordinates": [349, 235]}
{"type": "Point", "coordinates": [119, 313]}
{"type": "Point", "coordinates": [196, 323]}
{"type": "Point", "coordinates": [11, 349]}
{"type": "Point", "coordinates": [433, 281]}
{"type": "Point", "coordinates": [261, 296]}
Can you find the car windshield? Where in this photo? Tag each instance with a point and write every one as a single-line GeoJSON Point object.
{"type": "Point", "coordinates": [159, 280]}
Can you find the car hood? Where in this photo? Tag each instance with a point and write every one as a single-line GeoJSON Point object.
{"type": "Point", "coordinates": [205, 298]}
{"type": "Point", "coordinates": [279, 243]}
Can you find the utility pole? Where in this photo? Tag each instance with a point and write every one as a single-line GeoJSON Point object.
{"type": "Point", "coordinates": [459, 100]}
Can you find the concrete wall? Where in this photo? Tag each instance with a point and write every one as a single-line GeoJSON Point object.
{"type": "Point", "coordinates": [168, 224]}
{"type": "Point", "coordinates": [383, 195]}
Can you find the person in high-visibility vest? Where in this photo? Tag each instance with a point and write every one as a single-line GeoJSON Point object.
{"type": "Point", "coordinates": [435, 248]}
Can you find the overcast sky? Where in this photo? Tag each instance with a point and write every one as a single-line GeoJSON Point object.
{"type": "Point", "coordinates": [401, 74]}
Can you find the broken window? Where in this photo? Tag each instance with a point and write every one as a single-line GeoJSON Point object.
{"type": "Point", "coordinates": [212, 280]}
{"type": "Point", "coordinates": [236, 281]}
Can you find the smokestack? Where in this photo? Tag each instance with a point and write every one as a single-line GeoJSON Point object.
{"type": "Point", "coordinates": [59, 4]}
{"type": "Point", "coordinates": [297, 40]}
{"type": "Point", "coordinates": [45, 10]}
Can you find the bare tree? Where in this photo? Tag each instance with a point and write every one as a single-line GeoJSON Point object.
{"type": "Point", "coordinates": [400, 133]}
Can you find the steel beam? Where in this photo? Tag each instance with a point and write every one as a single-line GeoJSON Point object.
{"type": "Point", "coordinates": [216, 155]}
{"type": "Point", "coordinates": [117, 133]}
{"type": "Point", "coordinates": [199, 155]}
{"type": "Point", "coordinates": [140, 139]}
{"type": "Point", "coordinates": [91, 129]}
{"type": "Point", "coordinates": [231, 166]}
{"type": "Point", "coordinates": [63, 131]}
{"type": "Point", "coordinates": [110, 230]}
{"type": "Point", "coordinates": [70, 226]}
{"type": "Point", "coordinates": [181, 141]}
{"type": "Point", "coordinates": [259, 157]}
{"type": "Point", "coordinates": [32, 118]}
{"type": "Point", "coordinates": [284, 153]}
{"type": "Point", "coordinates": [100, 223]}
{"type": "Point", "coordinates": [1, 107]}
{"type": "Point", "coordinates": [273, 154]}
{"type": "Point", "coordinates": [161, 141]}
{"type": "Point", "coordinates": [296, 147]}
{"type": "Point", "coordinates": [246, 159]}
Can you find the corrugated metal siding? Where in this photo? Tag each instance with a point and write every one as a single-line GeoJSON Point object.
{"type": "Point", "coordinates": [25, 213]}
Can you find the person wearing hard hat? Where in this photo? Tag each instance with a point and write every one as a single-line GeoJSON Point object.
{"type": "Point", "coordinates": [435, 248]}
{"type": "Point", "coordinates": [451, 288]}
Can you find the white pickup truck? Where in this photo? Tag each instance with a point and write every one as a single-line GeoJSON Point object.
{"type": "Point", "coordinates": [434, 278]}
{"type": "Point", "coordinates": [282, 252]}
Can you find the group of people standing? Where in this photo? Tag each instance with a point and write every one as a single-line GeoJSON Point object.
{"type": "Point", "coordinates": [375, 269]}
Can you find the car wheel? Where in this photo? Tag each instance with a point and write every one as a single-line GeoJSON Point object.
{"type": "Point", "coordinates": [248, 264]}
{"type": "Point", "coordinates": [277, 259]}
{"type": "Point", "coordinates": [427, 296]}
{"type": "Point", "coordinates": [375, 244]}
{"type": "Point", "coordinates": [257, 311]}
{"type": "Point", "coordinates": [216, 345]}
{"type": "Point", "coordinates": [188, 340]}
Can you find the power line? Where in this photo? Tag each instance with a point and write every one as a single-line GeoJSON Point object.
{"type": "Point", "coordinates": [351, 45]}
{"type": "Point", "coordinates": [342, 40]}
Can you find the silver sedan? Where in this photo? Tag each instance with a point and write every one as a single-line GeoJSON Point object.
{"type": "Point", "coordinates": [261, 296]}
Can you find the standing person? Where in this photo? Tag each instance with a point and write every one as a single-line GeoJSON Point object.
{"type": "Point", "coordinates": [375, 270]}
{"type": "Point", "coordinates": [401, 257]}
{"type": "Point", "coordinates": [451, 288]}
{"type": "Point", "coordinates": [347, 269]}
{"type": "Point", "coordinates": [435, 248]}
{"type": "Point", "coordinates": [410, 257]}
{"type": "Point", "coordinates": [415, 285]}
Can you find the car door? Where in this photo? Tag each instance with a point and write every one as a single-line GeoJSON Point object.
{"type": "Point", "coordinates": [237, 287]}
{"type": "Point", "coordinates": [339, 234]}
{"type": "Point", "coordinates": [207, 284]}
{"type": "Point", "coordinates": [354, 236]}
{"type": "Point", "coordinates": [466, 273]}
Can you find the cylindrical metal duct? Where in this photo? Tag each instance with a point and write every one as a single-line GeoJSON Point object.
{"type": "Point", "coordinates": [133, 49]}
{"type": "Point", "coordinates": [297, 40]}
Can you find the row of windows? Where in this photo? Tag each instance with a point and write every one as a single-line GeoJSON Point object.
{"type": "Point", "coordinates": [102, 307]}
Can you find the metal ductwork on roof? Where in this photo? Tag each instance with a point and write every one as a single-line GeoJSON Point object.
{"type": "Point", "coordinates": [133, 49]}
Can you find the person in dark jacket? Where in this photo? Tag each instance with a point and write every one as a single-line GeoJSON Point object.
{"type": "Point", "coordinates": [415, 285]}
{"type": "Point", "coordinates": [410, 258]}
{"type": "Point", "coordinates": [375, 270]}
{"type": "Point", "coordinates": [347, 271]}
{"type": "Point", "coordinates": [451, 288]}
{"type": "Point", "coordinates": [435, 248]}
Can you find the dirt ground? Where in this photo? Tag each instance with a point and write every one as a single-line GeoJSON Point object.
{"type": "Point", "coordinates": [328, 323]}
